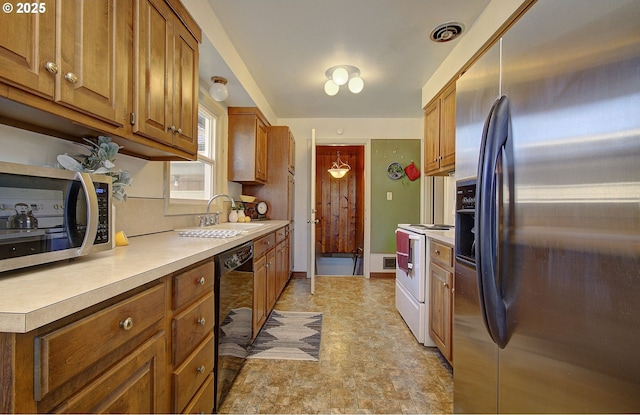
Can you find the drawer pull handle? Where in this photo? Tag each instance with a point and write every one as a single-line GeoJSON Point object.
{"type": "Point", "coordinates": [126, 324]}
{"type": "Point", "coordinates": [201, 281]}
{"type": "Point", "coordinates": [71, 77]}
{"type": "Point", "coordinates": [51, 67]}
{"type": "Point", "coordinates": [200, 370]}
{"type": "Point", "coordinates": [201, 321]}
{"type": "Point", "coordinates": [437, 252]}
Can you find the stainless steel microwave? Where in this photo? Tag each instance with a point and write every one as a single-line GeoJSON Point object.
{"type": "Point", "coordinates": [48, 214]}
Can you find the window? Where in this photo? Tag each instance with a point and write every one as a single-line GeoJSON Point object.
{"type": "Point", "coordinates": [190, 184]}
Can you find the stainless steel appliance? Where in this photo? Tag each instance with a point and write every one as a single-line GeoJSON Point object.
{"type": "Point", "coordinates": [234, 315]}
{"type": "Point", "coordinates": [546, 310]}
{"type": "Point", "coordinates": [49, 214]}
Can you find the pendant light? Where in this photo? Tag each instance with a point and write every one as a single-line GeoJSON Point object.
{"type": "Point", "coordinates": [339, 168]}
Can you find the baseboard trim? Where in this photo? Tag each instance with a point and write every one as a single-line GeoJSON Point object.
{"type": "Point", "coordinates": [298, 274]}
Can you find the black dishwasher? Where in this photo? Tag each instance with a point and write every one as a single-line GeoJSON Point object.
{"type": "Point", "coordinates": [234, 313]}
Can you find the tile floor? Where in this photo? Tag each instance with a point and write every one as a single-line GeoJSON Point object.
{"type": "Point", "coordinates": [369, 360]}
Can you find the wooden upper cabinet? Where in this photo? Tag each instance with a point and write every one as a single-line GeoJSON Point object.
{"type": "Point", "coordinates": [90, 69]}
{"type": "Point", "coordinates": [77, 63]}
{"type": "Point", "coordinates": [248, 137]}
{"type": "Point", "coordinates": [165, 81]}
{"type": "Point", "coordinates": [440, 133]}
{"type": "Point", "coordinates": [27, 44]}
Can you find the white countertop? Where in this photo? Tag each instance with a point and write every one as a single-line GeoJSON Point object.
{"type": "Point", "coordinates": [33, 297]}
{"type": "Point", "coordinates": [447, 237]}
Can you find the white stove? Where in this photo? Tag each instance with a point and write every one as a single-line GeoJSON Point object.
{"type": "Point", "coordinates": [412, 272]}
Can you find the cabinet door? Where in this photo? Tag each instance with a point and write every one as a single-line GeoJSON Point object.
{"type": "Point", "coordinates": [261, 152]}
{"type": "Point", "coordinates": [292, 154]}
{"type": "Point", "coordinates": [185, 90]}
{"type": "Point", "coordinates": [27, 44]}
{"type": "Point", "coordinates": [448, 129]}
{"type": "Point", "coordinates": [272, 276]}
{"type": "Point", "coordinates": [135, 385]}
{"type": "Point", "coordinates": [153, 73]}
{"type": "Point", "coordinates": [87, 57]}
{"type": "Point", "coordinates": [440, 309]}
{"type": "Point", "coordinates": [259, 293]}
{"type": "Point", "coordinates": [432, 137]}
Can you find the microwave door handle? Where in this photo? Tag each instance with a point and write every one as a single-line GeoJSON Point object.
{"type": "Point", "coordinates": [92, 212]}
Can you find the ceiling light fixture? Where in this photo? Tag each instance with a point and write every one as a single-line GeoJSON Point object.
{"type": "Point", "coordinates": [341, 75]}
{"type": "Point", "coordinates": [218, 90]}
{"type": "Point", "coordinates": [339, 168]}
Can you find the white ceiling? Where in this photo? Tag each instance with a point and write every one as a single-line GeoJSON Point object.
{"type": "Point", "coordinates": [287, 45]}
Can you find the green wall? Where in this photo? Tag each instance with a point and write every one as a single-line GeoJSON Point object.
{"type": "Point", "coordinates": [405, 206]}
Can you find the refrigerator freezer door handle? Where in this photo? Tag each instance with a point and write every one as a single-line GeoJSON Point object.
{"type": "Point", "coordinates": [490, 256]}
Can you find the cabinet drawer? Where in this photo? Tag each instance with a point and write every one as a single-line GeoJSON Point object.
{"type": "Point", "coordinates": [281, 234]}
{"type": "Point", "coordinates": [202, 403]}
{"type": "Point", "coordinates": [188, 378]}
{"type": "Point", "coordinates": [441, 254]}
{"type": "Point", "coordinates": [192, 284]}
{"type": "Point", "coordinates": [191, 326]}
{"type": "Point", "coordinates": [66, 352]}
{"type": "Point", "coordinates": [262, 245]}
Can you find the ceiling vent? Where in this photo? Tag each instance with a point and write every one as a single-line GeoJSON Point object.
{"type": "Point", "coordinates": [447, 32]}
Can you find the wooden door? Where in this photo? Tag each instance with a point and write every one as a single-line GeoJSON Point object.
{"type": "Point", "coordinates": [87, 57]}
{"type": "Point", "coordinates": [136, 385]}
{"type": "Point", "coordinates": [340, 202]}
{"type": "Point", "coordinates": [259, 293]}
{"type": "Point", "coordinates": [440, 309]}
{"type": "Point", "coordinates": [185, 90]}
{"type": "Point", "coordinates": [448, 129]}
{"type": "Point", "coordinates": [153, 73]}
{"type": "Point", "coordinates": [261, 152]}
{"type": "Point", "coordinates": [432, 137]}
{"type": "Point", "coordinates": [27, 44]}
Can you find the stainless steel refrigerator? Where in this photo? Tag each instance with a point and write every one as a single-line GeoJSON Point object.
{"type": "Point", "coordinates": [547, 288]}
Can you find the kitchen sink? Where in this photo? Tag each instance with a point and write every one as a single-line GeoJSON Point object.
{"type": "Point", "coordinates": [221, 231]}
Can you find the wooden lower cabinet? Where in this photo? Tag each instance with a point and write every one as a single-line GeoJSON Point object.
{"type": "Point", "coordinates": [150, 350]}
{"type": "Point", "coordinates": [193, 339]}
{"type": "Point", "coordinates": [108, 358]}
{"type": "Point", "coordinates": [271, 271]}
{"type": "Point", "coordinates": [441, 297]}
{"type": "Point", "coordinates": [133, 386]}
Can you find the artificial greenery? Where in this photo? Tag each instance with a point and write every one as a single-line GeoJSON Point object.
{"type": "Point", "coordinates": [100, 160]}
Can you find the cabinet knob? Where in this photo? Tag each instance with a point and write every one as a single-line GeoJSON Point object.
{"type": "Point", "coordinates": [126, 324]}
{"type": "Point", "coordinates": [51, 67]}
{"type": "Point", "coordinates": [179, 130]}
{"type": "Point", "coordinates": [71, 77]}
{"type": "Point", "coordinates": [446, 285]}
{"type": "Point", "coordinates": [172, 128]}
{"type": "Point", "coordinates": [201, 321]}
{"type": "Point", "coordinates": [201, 281]}
{"type": "Point", "coordinates": [200, 370]}
{"type": "Point", "coordinates": [437, 252]}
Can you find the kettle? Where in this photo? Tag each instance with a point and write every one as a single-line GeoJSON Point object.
{"type": "Point", "coordinates": [23, 219]}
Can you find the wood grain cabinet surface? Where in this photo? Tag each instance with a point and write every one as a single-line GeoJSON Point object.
{"type": "Point", "coordinates": [440, 133]}
{"type": "Point", "coordinates": [127, 69]}
{"type": "Point", "coordinates": [165, 79]}
{"type": "Point", "coordinates": [110, 357]}
{"type": "Point", "coordinates": [248, 162]}
{"type": "Point", "coordinates": [193, 338]}
{"type": "Point", "coordinates": [441, 297]}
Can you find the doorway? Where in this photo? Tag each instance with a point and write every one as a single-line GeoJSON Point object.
{"type": "Point", "coordinates": [340, 205]}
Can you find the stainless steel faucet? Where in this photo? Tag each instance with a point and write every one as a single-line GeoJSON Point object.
{"type": "Point", "coordinates": [207, 218]}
